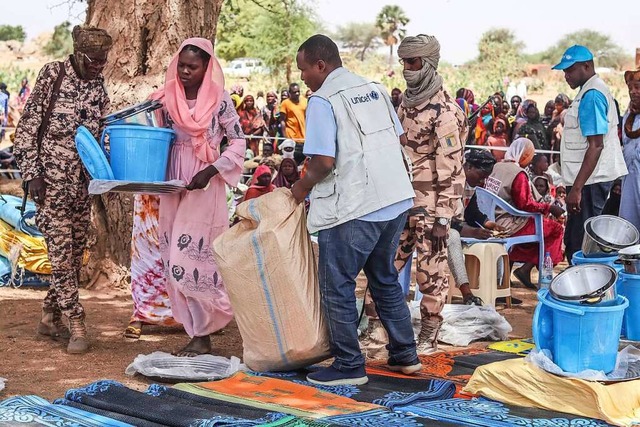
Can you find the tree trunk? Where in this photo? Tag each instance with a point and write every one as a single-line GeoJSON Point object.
{"type": "Point", "coordinates": [146, 34]}
{"type": "Point", "coordinates": [390, 56]}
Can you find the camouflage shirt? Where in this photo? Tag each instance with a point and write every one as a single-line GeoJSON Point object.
{"type": "Point", "coordinates": [436, 131]}
{"type": "Point", "coordinates": [80, 102]}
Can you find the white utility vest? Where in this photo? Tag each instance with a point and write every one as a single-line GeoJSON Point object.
{"type": "Point", "coordinates": [574, 146]}
{"type": "Point", "coordinates": [369, 172]}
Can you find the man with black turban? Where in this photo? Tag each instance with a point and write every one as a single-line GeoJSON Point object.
{"type": "Point", "coordinates": [72, 93]}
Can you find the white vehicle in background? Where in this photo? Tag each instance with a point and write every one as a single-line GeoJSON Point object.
{"type": "Point", "coordinates": [243, 68]}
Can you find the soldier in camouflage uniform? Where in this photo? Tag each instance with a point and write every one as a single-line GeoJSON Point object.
{"type": "Point", "coordinates": [435, 128]}
{"type": "Point", "coordinates": [57, 179]}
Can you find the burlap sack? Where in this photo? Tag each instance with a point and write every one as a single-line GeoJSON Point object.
{"type": "Point", "coordinates": [270, 273]}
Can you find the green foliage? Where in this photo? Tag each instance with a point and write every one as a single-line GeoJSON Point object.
{"type": "Point", "coordinates": [391, 21]}
{"type": "Point", "coordinates": [11, 32]}
{"type": "Point", "coordinates": [606, 52]}
{"type": "Point", "coordinates": [499, 56]}
{"type": "Point", "coordinates": [269, 30]}
{"type": "Point", "coordinates": [12, 77]}
{"type": "Point", "coordinates": [359, 37]}
{"type": "Point", "coordinates": [234, 37]}
{"type": "Point", "coordinates": [497, 43]}
{"type": "Point", "coordinates": [61, 43]}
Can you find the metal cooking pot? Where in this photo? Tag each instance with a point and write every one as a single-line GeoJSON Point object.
{"type": "Point", "coordinates": [605, 235]}
{"type": "Point", "coordinates": [630, 259]}
{"type": "Point", "coordinates": [148, 113]}
{"type": "Point", "coordinates": [586, 284]}
{"type": "Point", "coordinates": [631, 266]}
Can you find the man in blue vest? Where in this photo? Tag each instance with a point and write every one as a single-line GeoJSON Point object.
{"type": "Point", "coordinates": [360, 194]}
{"type": "Point", "coordinates": [590, 153]}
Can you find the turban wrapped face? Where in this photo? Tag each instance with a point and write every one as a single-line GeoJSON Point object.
{"type": "Point", "coordinates": [424, 83]}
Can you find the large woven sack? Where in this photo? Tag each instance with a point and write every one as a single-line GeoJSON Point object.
{"type": "Point", "coordinates": [269, 271]}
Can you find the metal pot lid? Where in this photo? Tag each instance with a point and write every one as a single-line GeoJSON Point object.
{"type": "Point", "coordinates": [150, 105]}
{"type": "Point", "coordinates": [612, 231]}
{"type": "Point", "coordinates": [583, 282]}
{"type": "Point", "coordinates": [631, 252]}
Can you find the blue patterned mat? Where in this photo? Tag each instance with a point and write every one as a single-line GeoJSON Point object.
{"type": "Point", "coordinates": [36, 411]}
{"type": "Point", "coordinates": [488, 413]}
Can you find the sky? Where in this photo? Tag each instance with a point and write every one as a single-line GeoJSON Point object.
{"type": "Point", "coordinates": [458, 24]}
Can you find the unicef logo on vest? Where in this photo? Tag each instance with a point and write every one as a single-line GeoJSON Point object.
{"type": "Point", "coordinates": [368, 97]}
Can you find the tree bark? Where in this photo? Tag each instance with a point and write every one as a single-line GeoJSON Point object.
{"type": "Point", "coordinates": [146, 34]}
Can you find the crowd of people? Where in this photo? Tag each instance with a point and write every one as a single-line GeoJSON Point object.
{"type": "Point", "coordinates": [383, 177]}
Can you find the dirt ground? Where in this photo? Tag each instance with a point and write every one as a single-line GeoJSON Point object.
{"type": "Point", "coordinates": [35, 365]}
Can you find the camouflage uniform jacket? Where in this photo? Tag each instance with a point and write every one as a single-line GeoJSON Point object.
{"type": "Point", "coordinates": [80, 102]}
{"type": "Point", "coordinates": [436, 131]}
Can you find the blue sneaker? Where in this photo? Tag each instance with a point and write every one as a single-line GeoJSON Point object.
{"type": "Point", "coordinates": [406, 368]}
{"type": "Point", "coordinates": [333, 376]}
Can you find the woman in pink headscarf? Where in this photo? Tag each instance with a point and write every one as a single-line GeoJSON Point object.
{"type": "Point", "coordinates": [201, 113]}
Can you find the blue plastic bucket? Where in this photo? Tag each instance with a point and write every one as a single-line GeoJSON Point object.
{"type": "Point", "coordinates": [629, 286]}
{"type": "Point", "coordinates": [578, 337]}
{"type": "Point", "coordinates": [139, 153]}
{"type": "Point", "coordinates": [578, 259]}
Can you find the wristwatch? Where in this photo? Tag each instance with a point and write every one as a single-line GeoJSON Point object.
{"type": "Point", "coordinates": [443, 221]}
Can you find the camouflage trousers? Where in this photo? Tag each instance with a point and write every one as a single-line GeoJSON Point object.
{"type": "Point", "coordinates": [64, 220]}
{"type": "Point", "coordinates": [431, 266]}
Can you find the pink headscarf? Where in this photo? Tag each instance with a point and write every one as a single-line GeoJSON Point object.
{"type": "Point", "coordinates": [208, 101]}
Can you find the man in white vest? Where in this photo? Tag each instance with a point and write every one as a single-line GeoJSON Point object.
{"type": "Point", "coordinates": [590, 153]}
{"type": "Point", "coordinates": [360, 194]}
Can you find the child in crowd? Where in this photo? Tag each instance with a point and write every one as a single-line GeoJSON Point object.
{"type": "Point", "coordinates": [561, 195]}
{"type": "Point", "coordinates": [541, 184]}
{"type": "Point", "coordinates": [260, 183]}
{"type": "Point", "coordinates": [498, 138]}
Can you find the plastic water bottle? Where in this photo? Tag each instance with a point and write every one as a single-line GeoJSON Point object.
{"type": "Point", "coordinates": [547, 272]}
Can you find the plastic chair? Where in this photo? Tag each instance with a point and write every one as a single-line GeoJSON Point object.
{"type": "Point", "coordinates": [487, 203]}
{"type": "Point", "coordinates": [487, 265]}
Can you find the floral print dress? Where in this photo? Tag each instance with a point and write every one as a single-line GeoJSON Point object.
{"type": "Point", "coordinates": [191, 220]}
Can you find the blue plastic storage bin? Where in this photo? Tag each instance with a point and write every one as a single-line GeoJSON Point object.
{"type": "Point", "coordinates": [629, 286]}
{"type": "Point", "coordinates": [139, 153]}
{"type": "Point", "coordinates": [578, 337]}
{"type": "Point", "coordinates": [578, 259]}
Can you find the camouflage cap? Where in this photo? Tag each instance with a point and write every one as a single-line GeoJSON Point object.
{"type": "Point", "coordinates": [91, 40]}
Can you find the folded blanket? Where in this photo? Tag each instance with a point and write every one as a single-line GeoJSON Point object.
{"type": "Point", "coordinates": [10, 213]}
{"type": "Point", "coordinates": [161, 405]}
{"type": "Point", "coordinates": [277, 395]}
{"type": "Point", "coordinates": [31, 251]}
{"type": "Point", "coordinates": [518, 382]}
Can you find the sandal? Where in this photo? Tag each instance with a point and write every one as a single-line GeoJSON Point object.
{"type": "Point", "coordinates": [526, 281]}
{"type": "Point", "coordinates": [132, 332]}
{"type": "Point", "coordinates": [473, 300]}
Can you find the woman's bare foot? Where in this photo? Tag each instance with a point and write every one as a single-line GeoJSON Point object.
{"type": "Point", "coordinates": [196, 347]}
{"type": "Point", "coordinates": [133, 331]}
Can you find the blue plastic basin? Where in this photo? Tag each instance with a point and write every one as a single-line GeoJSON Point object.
{"type": "Point", "coordinates": [578, 337]}
{"type": "Point", "coordinates": [629, 286]}
{"type": "Point", "coordinates": [578, 259]}
{"type": "Point", "coordinates": [139, 153]}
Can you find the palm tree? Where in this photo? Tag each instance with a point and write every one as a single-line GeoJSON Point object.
{"type": "Point", "coordinates": [391, 22]}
